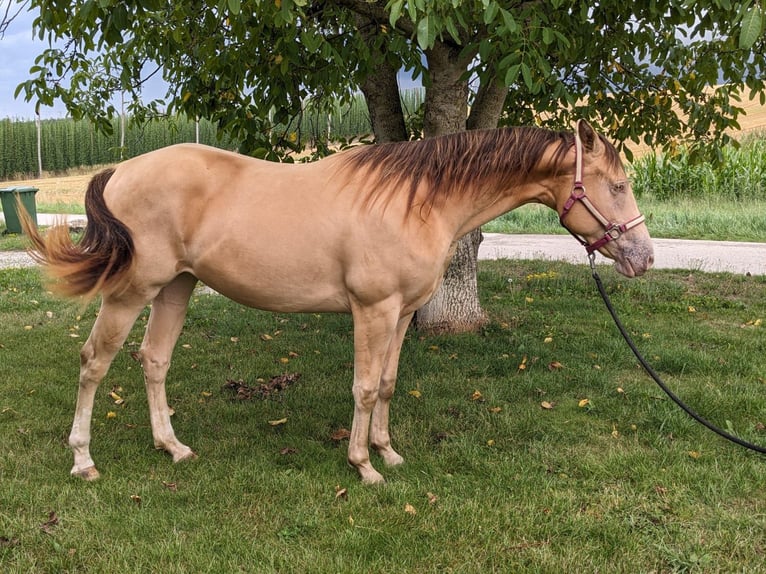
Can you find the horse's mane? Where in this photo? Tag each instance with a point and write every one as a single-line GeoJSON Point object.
{"type": "Point", "coordinates": [455, 163]}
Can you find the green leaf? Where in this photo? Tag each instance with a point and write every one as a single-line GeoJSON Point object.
{"type": "Point", "coordinates": [423, 33]}
{"type": "Point", "coordinates": [235, 6]}
{"type": "Point", "coordinates": [396, 11]}
{"type": "Point", "coordinates": [491, 12]}
{"type": "Point", "coordinates": [752, 24]}
{"type": "Point", "coordinates": [512, 74]}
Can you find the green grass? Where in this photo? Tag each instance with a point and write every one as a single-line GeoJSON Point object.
{"type": "Point", "coordinates": [683, 218]}
{"type": "Point", "coordinates": [626, 483]}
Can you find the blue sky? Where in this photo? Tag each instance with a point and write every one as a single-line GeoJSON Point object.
{"type": "Point", "coordinates": [18, 50]}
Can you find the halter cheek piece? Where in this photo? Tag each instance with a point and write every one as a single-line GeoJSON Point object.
{"type": "Point", "coordinates": [612, 230]}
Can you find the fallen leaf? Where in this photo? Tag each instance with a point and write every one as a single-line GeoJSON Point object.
{"type": "Point", "coordinates": [495, 409]}
{"type": "Point", "coordinates": [111, 415]}
{"type": "Point", "coordinates": [137, 499]}
{"type": "Point", "coordinates": [186, 346]}
{"type": "Point", "coordinates": [523, 364]}
{"type": "Point", "coordinates": [206, 394]}
{"type": "Point", "coordinates": [51, 523]}
{"type": "Point", "coordinates": [529, 300]}
{"type": "Point", "coordinates": [547, 405]}
{"type": "Point", "coordinates": [555, 365]}
{"type": "Point", "coordinates": [234, 339]}
{"type": "Point", "coordinates": [491, 442]}
{"type": "Point", "coordinates": [548, 340]}
{"type": "Point", "coordinates": [284, 360]}
{"type": "Point", "coordinates": [341, 493]}
{"type": "Point", "coordinates": [691, 309]}
{"type": "Point", "coordinates": [266, 337]}
{"type": "Point", "coordinates": [415, 393]}
{"type": "Point", "coordinates": [409, 509]}
{"type": "Point", "coordinates": [118, 400]}
{"type": "Point", "coordinates": [171, 486]}
{"type": "Point", "coordinates": [340, 434]}
{"type": "Point", "coordinates": [583, 403]}
{"type": "Point", "coordinates": [477, 396]}
{"type": "Point", "coordinates": [695, 454]}
{"type": "Point", "coordinates": [262, 390]}
{"type": "Point", "coordinates": [432, 498]}
{"type": "Point", "coordinates": [6, 542]}
{"type": "Point", "coordinates": [278, 422]}
{"type": "Point", "coordinates": [288, 450]}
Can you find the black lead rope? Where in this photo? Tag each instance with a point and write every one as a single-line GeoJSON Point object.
{"type": "Point", "coordinates": [652, 373]}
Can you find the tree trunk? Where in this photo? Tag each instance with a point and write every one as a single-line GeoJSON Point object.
{"type": "Point", "coordinates": [487, 105]}
{"type": "Point", "coordinates": [381, 91]}
{"type": "Point", "coordinates": [455, 306]}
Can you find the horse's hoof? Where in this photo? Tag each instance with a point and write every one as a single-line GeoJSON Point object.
{"type": "Point", "coordinates": [371, 476]}
{"type": "Point", "coordinates": [89, 474]}
{"type": "Point", "coordinates": [189, 454]}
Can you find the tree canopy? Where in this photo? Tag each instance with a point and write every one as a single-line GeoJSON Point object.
{"type": "Point", "coordinates": [663, 73]}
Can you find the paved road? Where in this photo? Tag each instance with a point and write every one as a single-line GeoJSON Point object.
{"type": "Point", "coordinates": [732, 256]}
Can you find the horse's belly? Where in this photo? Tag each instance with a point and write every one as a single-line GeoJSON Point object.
{"type": "Point", "coordinates": [282, 288]}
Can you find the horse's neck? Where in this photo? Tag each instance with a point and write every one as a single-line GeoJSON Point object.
{"type": "Point", "coordinates": [468, 214]}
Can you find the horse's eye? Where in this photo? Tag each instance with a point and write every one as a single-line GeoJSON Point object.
{"type": "Point", "coordinates": [619, 187]}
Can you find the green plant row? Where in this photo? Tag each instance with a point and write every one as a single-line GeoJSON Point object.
{"type": "Point", "coordinates": [67, 144]}
{"type": "Point", "coordinates": [741, 174]}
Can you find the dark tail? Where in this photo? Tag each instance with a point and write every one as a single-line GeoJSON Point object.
{"type": "Point", "coordinates": [99, 262]}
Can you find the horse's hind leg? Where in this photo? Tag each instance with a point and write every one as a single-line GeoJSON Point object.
{"type": "Point", "coordinates": [165, 322]}
{"type": "Point", "coordinates": [380, 438]}
{"type": "Point", "coordinates": [115, 319]}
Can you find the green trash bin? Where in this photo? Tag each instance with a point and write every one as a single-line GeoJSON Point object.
{"type": "Point", "coordinates": [10, 212]}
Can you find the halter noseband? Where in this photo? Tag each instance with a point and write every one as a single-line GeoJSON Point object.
{"type": "Point", "coordinates": [612, 231]}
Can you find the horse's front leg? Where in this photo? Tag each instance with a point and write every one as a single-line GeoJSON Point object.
{"type": "Point", "coordinates": [165, 322]}
{"type": "Point", "coordinates": [380, 437]}
{"type": "Point", "coordinates": [374, 328]}
{"type": "Point", "coordinates": [109, 332]}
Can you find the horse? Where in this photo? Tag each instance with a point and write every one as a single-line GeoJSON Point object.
{"type": "Point", "coordinates": [369, 231]}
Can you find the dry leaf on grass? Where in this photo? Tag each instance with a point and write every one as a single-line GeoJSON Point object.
{"type": "Point", "coordinates": [51, 523]}
{"type": "Point", "coordinates": [275, 385]}
{"type": "Point", "coordinates": [340, 434]}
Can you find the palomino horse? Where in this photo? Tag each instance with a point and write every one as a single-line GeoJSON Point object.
{"type": "Point", "coordinates": [369, 232]}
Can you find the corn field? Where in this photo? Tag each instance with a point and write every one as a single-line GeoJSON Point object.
{"type": "Point", "coordinates": [741, 174]}
{"type": "Point", "coordinates": [67, 144]}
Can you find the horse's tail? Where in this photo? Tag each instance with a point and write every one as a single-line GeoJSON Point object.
{"type": "Point", "coordinates": [99, 261]}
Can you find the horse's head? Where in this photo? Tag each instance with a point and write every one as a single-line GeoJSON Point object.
{"type": "Point", "coordinates": [606, 219]}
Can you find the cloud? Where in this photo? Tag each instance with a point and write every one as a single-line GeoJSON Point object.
{"type": "Point", "coordinates": [18, 49]}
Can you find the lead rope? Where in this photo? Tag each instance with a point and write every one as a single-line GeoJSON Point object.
{"type": "Point", "coordinates": [653, 374]}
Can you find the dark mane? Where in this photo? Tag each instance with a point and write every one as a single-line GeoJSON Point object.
{"type": "Point", "coordinates": [456, 163]}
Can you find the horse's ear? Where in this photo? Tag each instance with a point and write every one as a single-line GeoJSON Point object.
{"type": "Point", "coordinates": [590, 139]}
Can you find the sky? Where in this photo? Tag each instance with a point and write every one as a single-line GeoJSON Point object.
{"type": "Point", "coordinates": [18, 49]}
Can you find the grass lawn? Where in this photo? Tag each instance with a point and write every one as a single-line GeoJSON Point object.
{"type": "Point", "coordinates": [509, 468]}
